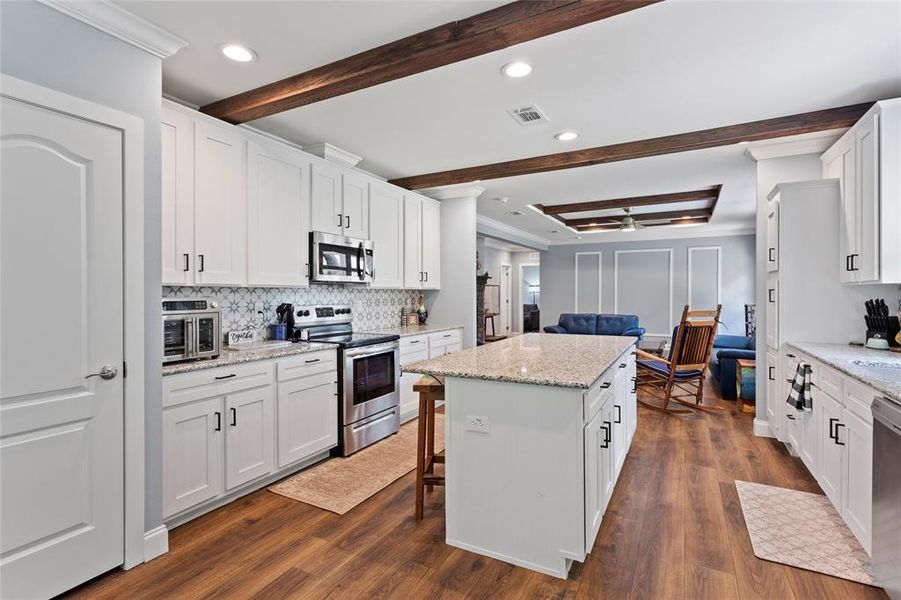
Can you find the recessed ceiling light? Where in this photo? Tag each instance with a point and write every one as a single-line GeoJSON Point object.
{"type": "Point", "coordinates": [238, 53]}
{"type": "Point", "coordinates": [566, 136]}
{"type": "Point", "coordinates": [553, 231]}
{"type": "Point", "coordinates": [577, 237]}
{"type": "Point", "coordinates": [504, 199]}
{"type": "Point", "coordinates": [517, 69]}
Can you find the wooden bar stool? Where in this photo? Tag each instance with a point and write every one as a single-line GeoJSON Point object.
{"type": "Point", "coordinates": [430, 391]}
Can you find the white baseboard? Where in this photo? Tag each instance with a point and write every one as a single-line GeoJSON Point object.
{"type": "Point", "coordinates": [156, 543]}
{"type": "Point", "coordinates": [762, 429]}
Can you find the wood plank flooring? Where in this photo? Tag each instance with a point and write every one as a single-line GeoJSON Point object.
{"type": "Point", "coordinates": [674, 529]}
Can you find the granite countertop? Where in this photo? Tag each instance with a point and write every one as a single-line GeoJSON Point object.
{"type": "Point", "coordinates": [879, 369]}
{"type": "Point", "coordinates": [407, 330]}
{"type": "Point", "coordinates": [570, 361]}
{"type": "Point", "coordinates": [235, 357]}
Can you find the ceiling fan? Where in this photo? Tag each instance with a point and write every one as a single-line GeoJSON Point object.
{"type": "Point", "coordinates": [629, 223]}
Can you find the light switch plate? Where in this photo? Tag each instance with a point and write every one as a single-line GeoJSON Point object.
{"type": "Point", "coordinates": [477, 424]}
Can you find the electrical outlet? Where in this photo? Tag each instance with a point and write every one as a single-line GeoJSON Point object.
{"type": "Point", "coordinates": [257, 307]}
{"type": "Point", "coordinates": [477, 424]}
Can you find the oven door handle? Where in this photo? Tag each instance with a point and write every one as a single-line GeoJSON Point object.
{"type": "Point", "coordinates": [372, 350]}
{"type": "Point", "coordinates": [190, 350]}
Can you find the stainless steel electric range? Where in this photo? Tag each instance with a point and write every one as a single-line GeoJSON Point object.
{"type": "Point", "coordinates": [368, 375]}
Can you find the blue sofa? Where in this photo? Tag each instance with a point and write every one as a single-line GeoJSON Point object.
{"type": "Point", "coordinates": [594, 324]}
{"type": "Point", "coordinates": [727, 349]}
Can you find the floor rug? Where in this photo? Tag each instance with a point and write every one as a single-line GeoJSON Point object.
{"type": "Point", "coordinates": [803, 530]}
{"type": "Point", "coordinates": [339, 484]}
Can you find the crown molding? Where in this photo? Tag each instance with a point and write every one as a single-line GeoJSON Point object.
{"type": "Point", "coordinates": [449, 192]}
{"type": "Point", "coordinates": [333, 153]}
{"type": "Point", "coordinates": [119, 23]}
{"type": "Point", "coordinates": [796, 145]}
{"type": "Point", "coordinates": [673, 232]}
{"type": "Point", "coordinates": [514, 235]}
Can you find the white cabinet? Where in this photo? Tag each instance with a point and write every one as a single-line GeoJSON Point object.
{"type": "Point", "coordinates": [339, 200]}
{"type": "Point", "coordinates": [277, 216]}
{"type": "Point", "coordinates": [856, 433]}
{"type": "Point", "coordinates": [772, 236]}
{"type": "Point", "coordinates": [386, 226]}
{"type": "Point", "coordinates": [865, 161]}
{"type": "Point", "coordinates": [444, 342]}
{"type": "Point", "coordinates": [307, 417]}
{"type": "Point", "coordinates": [595, 478]}
{"type": "Point", "coordinates": [832, 457]}
{"type": "Point", "coordinates": [772, 393]}
{"type": "Point", "coordinates": [248, 436]}
{"type": "Point", "coordinates": [607, 459]}
{"type": "Point", "coordinates": [422, 243]}
{"type": "Point", "coordinates": [177, 198]}
{"type": "Point", "coordinates": [413, 349]}
{"type": "Point", "coordinates": [772, 311]}
{"type": "Point", "coordinates": [192, 454]}
{"type": "Point", "coordinates": [619, 443]}
{"type": "Point", "coordinates": [632, 399]}
{"type": "Point", "coordinates": [220, 220]}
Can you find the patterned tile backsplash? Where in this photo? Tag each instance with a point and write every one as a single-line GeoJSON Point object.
{"type": "Point", "coordinates": [372, 308]}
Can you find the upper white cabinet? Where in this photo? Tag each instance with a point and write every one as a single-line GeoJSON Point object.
{"type": "Point", "coordinates": [178, 198]}
{"type": "Point", "coordinates": [386, 225]}
{"type": "Point", "coordinates": [422, 243]}
{"type": "Point", "coordinates": [865, 160]}
{"type": "Point", "coordinates": [278, 212]}
{"type": "Point", "coordinates": [219, 206]}
{"type": "Point", "coordinates": [340, 201]}
{"type": "Point", "coordinates": [772, 236]}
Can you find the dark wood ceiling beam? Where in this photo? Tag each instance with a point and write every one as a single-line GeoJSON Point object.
{"type": "Point", "coordinates": [453, 42]}
{"type": "Point", "coordinates": [673, 198]}
{"type": "Point", "coordinates": [655, 216]}
{"type": "Point", "coordinates": [613, 226]}
{"type": "Point", "coordinates": [820, 120]}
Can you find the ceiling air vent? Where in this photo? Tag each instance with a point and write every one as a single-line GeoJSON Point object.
{"type": "Point", "coordinates": [528, 115]}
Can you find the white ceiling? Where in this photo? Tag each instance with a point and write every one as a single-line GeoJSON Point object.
{"type": "Point", "coordinates": [673, 67]}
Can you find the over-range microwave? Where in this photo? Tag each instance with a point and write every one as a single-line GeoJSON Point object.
{"type": "Point", "coordinates": [339, 259]}
{"type": "Point", "coordinates": [190, 329]}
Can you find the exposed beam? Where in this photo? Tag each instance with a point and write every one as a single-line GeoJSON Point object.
{"type": "Point", "coordinates": [820, 120]}
{"type": "Point", "coordinates": [612, 226]}
{"type": "Point", "coordinates": [673, 198]}
{"type": "Point", "coordinates": [486, 32]}
{"type": "Point", "coordinates": [655, 216]}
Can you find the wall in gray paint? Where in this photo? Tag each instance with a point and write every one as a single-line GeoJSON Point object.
{"type": "Point", "coordinates": [738, 278]}
{"type": "Point", "coordinates": [45, 47]}
{"type": "Point", "coordinates": [518, 299]}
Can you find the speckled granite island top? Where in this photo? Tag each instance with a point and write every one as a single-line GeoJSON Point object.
{"type": "Point", "coordinates": [879, 369]}
{"type": "Point", "coordinates": [235, 357]}
{"type": "Point", "coordinates": [572, 361]}
{"type": "Point", "coordinates": [404, 331]}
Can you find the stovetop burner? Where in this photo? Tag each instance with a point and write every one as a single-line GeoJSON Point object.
{"type": "Point", "coordinates": [333, 325]}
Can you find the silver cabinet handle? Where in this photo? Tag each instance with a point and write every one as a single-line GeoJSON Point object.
{"type": "Point", "coordinates": [105, 372]}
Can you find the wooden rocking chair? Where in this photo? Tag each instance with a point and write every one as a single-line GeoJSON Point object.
{"type": "Point", "coordinates": [680, 377]}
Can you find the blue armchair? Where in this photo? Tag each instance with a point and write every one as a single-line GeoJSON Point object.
{"type": "Point", "coordinates": [727, 349]}
{"type": "Point", "coordinates": [594, 324]}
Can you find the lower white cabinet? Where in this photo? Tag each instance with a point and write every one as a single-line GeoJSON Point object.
{"type": "Point", "coordinates": [307, 417]}
{"type": "Point", "coordinates": [444, 342]}
{"type": "Point", "coordinates": [855, 436]}
{"type": "Point", "coordinates": [603, 438]}
{"type": "Point", "coordinates": [248, 436]}
{"type": "Point", "coordinates": [229, 429]}
{"type": "Point", "coordinates": [619, 444]}
{"type": "Point", "coordinates": [422, 347]}
{"type": "Point", "coordinates": [831, 456]}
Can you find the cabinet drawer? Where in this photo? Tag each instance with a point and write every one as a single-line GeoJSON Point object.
{"type": "Point", "coordinates": [599, 393]}
{"type": "Point", "coordinates": [413, 343]}
{"type": "Point", "coordinates": [310, 363]}
{"type": "Point", "coordinates": [444, 338]}
{"type": "Point", "coordinates": [412, 356]}
{"type": "Point", "coordinates": [858, 399]}
{"type": "Point", "coordinates": [827, 380]}
{"type": "Point", "coordinates": [189, 387]}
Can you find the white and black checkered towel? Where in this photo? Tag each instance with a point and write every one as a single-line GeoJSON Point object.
{"type": "Point", "coordinates": [799, 395]}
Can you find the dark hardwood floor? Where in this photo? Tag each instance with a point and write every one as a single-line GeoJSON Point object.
{"type": "Point", "coordinates": [674, 529]}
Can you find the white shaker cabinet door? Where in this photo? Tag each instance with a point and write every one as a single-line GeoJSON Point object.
{"type": "Point", "coordinates": [307, 417]}
{"type": "Point", "coordinates": [355, 195]}
{"type": "Point", "coordinates": [772, 235]}
{"type": "Point", "coordinates": [594, 440]}
{"type": "Point", "coordinates": [277, 216]}
{"type": "Point", "coordinates": [386, 230]}
{"type": "Point", "coordinates": [249, 435]}
{"type": "Point", "coordinates": [178, 258]}
{"type": "Point", "coordinates": [413, 276]}
{"type": "Point", "coordinates": [192, 454]}
{"type": "Point", "coordinates": [431, 244]}
{"type": "Point", "coordinates": [220, 216]}
{"type": "Point", "coordinates": [831, 459]}
{"type": "Point", "coordinates": [865, 260]}
{"type": "Point", "coordinates": [325, 198]}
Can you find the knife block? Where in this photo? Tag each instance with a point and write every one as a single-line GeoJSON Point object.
{"type": "Point", "coordinates": [890, 332]}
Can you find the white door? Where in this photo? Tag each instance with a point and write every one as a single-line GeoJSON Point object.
{"type": "Point", "coordinates": [831, 469]}
{"type": "Point", "coordinates": [431, 245]}
{"type": "Point", "coordinates": [277, 216]}
{"type": "Point", "coordinates": [412, 242]}
{"type": "Point", "coordinates": [848, 221]}
{"type": "Point", "coordinates": [355, 194]}
{"type": "Point", "coordinates": [325, 199]}
{"type": "Point", "coordinates": [220, 215]}
{"type": "Point", "coordinates": [386, 230]}
{"type": "Point", "coordinates": [594, 439]}
{"type": "Point", "coordinates": [307, 417]}
{"type": "Point", "coordinates": [772, 312]}
{"type": "Point", "coordinates": [61, 431]}
{"type": "Point", "coordinates": [505, 299]}
{"type": "Point", "coordinates": [857, 491]}
{"type": "Point", "coordinates": [866, 260]}
{"type": "Point", "coordinates": [772, 393]}
{"type": "Point", "coordinates": [248, 440]}
{"type": "Point", "coordinates": [772, 236]}
{"type": "Point", "coordinates": [192, 454]}
{"type": "Point", "coordinates": [178, 198]}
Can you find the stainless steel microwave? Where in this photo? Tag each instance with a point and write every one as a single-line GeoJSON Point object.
{"type": "Point", "coordinates": [191, 329]}
{"type": "Point", "coordinates": [339, 259]}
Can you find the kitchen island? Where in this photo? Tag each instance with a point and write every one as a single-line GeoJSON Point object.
{"type": "Point", "coordinates": [537, 429]}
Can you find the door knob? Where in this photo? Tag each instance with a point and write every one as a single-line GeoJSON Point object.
{"type": "Point", "coordinates": [105, 372]}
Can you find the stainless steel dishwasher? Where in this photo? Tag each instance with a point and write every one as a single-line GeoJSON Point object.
{"type": "Point", "coordinates": [887, 495]}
